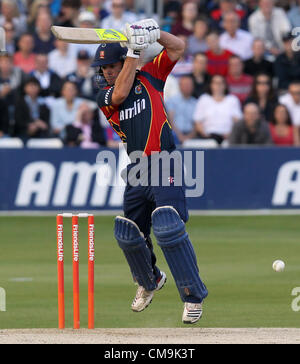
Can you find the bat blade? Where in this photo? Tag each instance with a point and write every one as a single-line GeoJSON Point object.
{"type": "Point", "coordinates": [88, 35]}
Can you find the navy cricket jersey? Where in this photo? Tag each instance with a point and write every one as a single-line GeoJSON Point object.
{"type": "Point", "coordinates": [141, 120]}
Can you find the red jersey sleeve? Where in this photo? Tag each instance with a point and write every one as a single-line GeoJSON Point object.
{"type": "Point", "coordinates": [160, 67]}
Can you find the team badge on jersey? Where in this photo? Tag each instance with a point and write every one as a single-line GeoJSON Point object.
{"type": "Point", "coordinates": [138, 89]}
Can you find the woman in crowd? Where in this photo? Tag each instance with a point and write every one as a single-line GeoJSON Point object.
{"type": "Point", "coordinates": [217, 111]}
{"type": "Point", "coordinates": [263, 95]}
{"type": "Point", "coordinates": [282, 131]}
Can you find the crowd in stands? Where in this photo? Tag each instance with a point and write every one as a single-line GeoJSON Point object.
{"type": "Point", "coordinates": [237, 83]}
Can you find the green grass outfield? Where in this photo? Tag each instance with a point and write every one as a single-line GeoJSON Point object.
{"type": "Point", "coordinates": [235, 256]}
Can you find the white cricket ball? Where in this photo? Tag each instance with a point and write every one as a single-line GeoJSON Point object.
{"type": "Point", "coordinates": [278, 265]}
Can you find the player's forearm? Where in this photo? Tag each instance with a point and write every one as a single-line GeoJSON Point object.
{"type": "Point", "coordinates": [124, 81]}
{"type": "Point", "coordinates": [175, 46]}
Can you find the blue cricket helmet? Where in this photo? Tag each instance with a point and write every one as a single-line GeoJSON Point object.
{"type": "Point", "coordinates": [109, 53]}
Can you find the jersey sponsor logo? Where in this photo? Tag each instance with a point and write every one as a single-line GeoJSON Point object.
{"type": "Point", "coordinates": [131, 112]}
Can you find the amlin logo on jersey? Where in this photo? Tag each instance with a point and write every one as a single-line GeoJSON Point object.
{"type": "Point", "coordinates": [131, 112]}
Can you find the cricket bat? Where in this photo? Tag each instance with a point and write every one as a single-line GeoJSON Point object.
{"type": "Point", "coordinates": [88, 35]}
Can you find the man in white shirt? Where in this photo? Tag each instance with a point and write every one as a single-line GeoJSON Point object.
{"type": "Point", "coordinates": [62, 60]}
{"type": "Point", "coordinates": [292, 101]}
{"type": "Point", "coordinates": [236, 40]}
{"type": "Point", "coordinates": [119, 17]}
{"type": "Point", "coordinates": [269, 23]}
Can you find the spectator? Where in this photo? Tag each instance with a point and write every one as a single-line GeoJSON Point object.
{"type": "Point", "coordinates": [263, 95]}
{"type": "Point", "coordinates": [25, 58]}
{"type": "Point", "coordinates": [181, 110]}
{"type": "Point", "coordinates": [65, 108]}
{"type": "Point", "coordinates": [252, 129]}
{"type": "Point", "coordinates": [10, 13]}
{"type": "Point", "coordinates": [50, 82]}
{"type": "Point", "coordinates": [294, 14]}
{"type": "Point", "coordinates": [270, 24]}
{"type": "Point", "coordinates": [184, 64]}
{"type": "Point", "coordinates": [119, 17]}
{"type": "Point", "coordinates": [199, 74]}
{"type": "Point", "coordinates": [97, 7]}
{"type": "Point", "coordinates": [238, 82]}
{"type": "Point", "coordinates": [10, 79]}
{"type": "Point", "coordinates": [31, 113]}
{"type": "Point", "coordinates": [258, 63]}
{"type": "Point", "coordinates": [292, 101]}
{"type": "Point", "coordinates": [42, 35]}
{"type": "Point", "coordinates": [62, 60]}
{"type": "Point", "coordinates": [217, 58]}
{"type": "Point", "coordinates": [86, 131]}
{"type": "Point", "coordinates": [86, 19]}
{"type": "Point", "coordinates": [37, 7]}
{"type": "Point", "coordinates": [282, 131]}
{"type": "Point", "coordinates": [287, 64]}
{"type": "Point", "coordinates": [10, 37]}
{"type": "Point", "coordinates": [171, 17]}
{"type": "Point", "coordinates": [225, 6]}
{"type": "Point", "coordinates": [84, 76]}
{"type": "Point", "coordinates": [4, 119]}
{"type": "Point", "coordinates": [236, 40]}
{"type": "Point", "coordinates": [216, 111]}
{"type": "Point", "coordinates": [69, 13]}
{"type": "Point", "coordinates": [196, 42]}
{"type": "Point", "coordinates": [185, 25]}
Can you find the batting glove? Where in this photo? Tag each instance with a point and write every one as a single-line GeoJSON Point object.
{"type": "Point", "coordinates": [138, 39]}
{"type": "Point", "coordinates": [152, 26]}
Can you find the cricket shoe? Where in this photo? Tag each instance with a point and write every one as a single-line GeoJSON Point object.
{"type": "Point", "coordinates": [192, 312]}
{"type": "Point", "coordinates": [143, 298]}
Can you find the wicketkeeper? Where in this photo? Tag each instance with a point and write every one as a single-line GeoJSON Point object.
{"type": "Point", "coordinates": [132, 102]}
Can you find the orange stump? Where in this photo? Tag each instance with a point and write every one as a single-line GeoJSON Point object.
{"type": "Point", "coordinates": [75, 250]}
{"type": "Point", "coordinates": [91, 261]}
{"type": "Point", "coordinates": [60, 272]}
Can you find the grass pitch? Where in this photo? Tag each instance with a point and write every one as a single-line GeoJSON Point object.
{"type": "Point", "coordinates": [235, 256]}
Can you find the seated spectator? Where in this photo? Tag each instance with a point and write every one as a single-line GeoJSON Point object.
{"type": "Point", "coordinates": [31, 113]}
{"type": "Point", "coordinates": [118, 17]}
{"type": "Point", "coordinates": [42, 35]}
{"type": "Point", "coordinates": [4, 120]}
{"type": "Point", "coordinates": [251, 130]}
{"type": "Point", "coordinates": [98, 8]}
{"type": "Point", "coordinates": [196, 42]}
{"type": "Point", "coordinates": [199, 74]}
{"type": "Point", "coordinates": [181, 111]}
{"type": "Point", "coordinates": [84, 77]}
{"type": "Point", "coordinates": [225, 6]}
{"type": "Point", "coordinates": [172, 11]}
{"type": "Point", "coordinates": [282, 131]}
{"type": "Point", "coordinates": [10, 79]}
{"type": "Point", "coordinates": [69, 13]}
{"type": "Point", "coordinates": [217, 58]}
{"type": "Point", "coordinates": [37, 7]}
{"type": "Point", "coordinates": [234, 39]}
{"type": "Point", "coordinates": [239, 84]}
{"type": "Point", "coordinates": [50, 82]}
{"type": "Point", "coordinates": [185, 24]}
{"type": "Point", "coordinates": [292, 101]}
{"type": "Point", "coordinates": [294, 14]}
{"type": "Point", "coordinates": [25, 58]}
{"type": "Point", "coordinates": [287, 64]}
{"type": "Point", "coordinates": [62, 60]}
{"type": "Point", "coordinates": [86, 19]}
{"type": "Point", "coordinates": [216, 111]}
{"type": "Point", "coordinates": [270, 24]}
{"type": "Point", "coordinates": [10, 37]}
{"type": "Point", "coordinates": [258, 63]}
{"type": "Point", "coordinates": [10, 13]}
{"type": "Point", "coordinates": [263, 95]}
{"type": "Point", "coordinates": [65, 108]}
{"type": "Point", "coordinates": [185, 64]}
{"type": "Point", "coordinates": [86, 131]}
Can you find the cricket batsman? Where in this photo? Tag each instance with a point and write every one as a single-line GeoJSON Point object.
{"type": "Point", "coordinates": [132, 102]}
